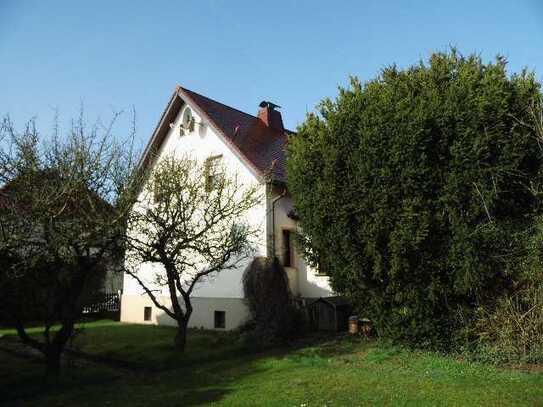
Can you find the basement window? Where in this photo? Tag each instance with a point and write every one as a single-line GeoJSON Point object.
{"type": "Point", "coordinates": [147, 312]}
{"type": "Point", "coordinates": [220, 319]}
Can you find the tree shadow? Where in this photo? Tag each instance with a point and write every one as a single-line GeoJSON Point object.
{"type": "Point", "coordinates": [190, 380]}
{"type": "Point", "coordinates": [22, 378]}
{"type": "Point", "coordinates": [215, 363]}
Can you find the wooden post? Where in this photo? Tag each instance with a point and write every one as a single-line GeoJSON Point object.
{"type": "Point", "coordinates": [353, 324]}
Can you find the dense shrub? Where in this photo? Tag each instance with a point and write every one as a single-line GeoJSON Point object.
{"type": "Point", "coordinates": [274, 316]}
{"type": "Point", "coordinates": [512, 331]}
{"type": "Point", "coordinates": [418, 189]}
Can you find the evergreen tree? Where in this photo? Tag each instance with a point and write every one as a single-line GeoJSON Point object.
{"type": "Point", "coordinates": [419, 190]}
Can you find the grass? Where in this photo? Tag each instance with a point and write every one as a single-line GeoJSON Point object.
{"type": "Point", "coordinates": [217, 371]}
{"type": "Point", "coordinates": [39, 329]}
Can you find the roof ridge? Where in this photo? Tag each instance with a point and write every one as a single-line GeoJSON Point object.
{"type": "Point", "coordinates": [257, 145]}
{"type": "Point", "coordinates": [228, 106]}
{"type": "Point", "coordinates": [216, 101]}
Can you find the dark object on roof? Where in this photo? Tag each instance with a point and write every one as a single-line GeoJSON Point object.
{"type": "Point", "coordinates": [268, 104]}
{"type": "Point", "coordinates": [271, 117]}
{"type": "Point", "coordinates": [330, 313]}
{"type": "Point", "coordinates": [259, 143]}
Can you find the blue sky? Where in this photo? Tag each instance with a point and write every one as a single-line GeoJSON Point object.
{"type": "Point", "coordinates": [110, 55]}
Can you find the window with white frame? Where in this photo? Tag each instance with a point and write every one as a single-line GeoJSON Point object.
{"type": "Point", "coordinates": [213, 171]}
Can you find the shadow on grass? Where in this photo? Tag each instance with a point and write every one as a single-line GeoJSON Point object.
{"type": "Point", "coordinates": [213, 365]}
{"type": "Point", "coordinates": [23, 379]}
{"type": "Point", "coordinates": [22, 383]}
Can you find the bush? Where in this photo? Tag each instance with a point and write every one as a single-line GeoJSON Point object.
{"type": "Point", "coordinates": [34, 297]}
{"type": "Point", "coordinates": [275, 318]}
{"type": "Point", "coordinates": [513, 332]}
{"type": "Point", "coordinates": [416, 189]}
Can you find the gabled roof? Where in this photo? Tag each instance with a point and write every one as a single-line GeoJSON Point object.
{"type": "Point", "coordinates": [16, 193]}
{"type": "Point", "coordinates": [334, 301]}
{"type": "Point", "coordinates": [259, 146]}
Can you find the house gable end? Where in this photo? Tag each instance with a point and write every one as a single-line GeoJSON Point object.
{"type": "Point", "coordinates": [260, 149]}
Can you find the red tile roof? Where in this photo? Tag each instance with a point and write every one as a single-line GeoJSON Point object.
{"type": "Point", "coordinates": [262, 147]}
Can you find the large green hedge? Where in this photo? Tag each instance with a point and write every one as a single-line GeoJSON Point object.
{"type": "Point", "coordinates": [418, 190]}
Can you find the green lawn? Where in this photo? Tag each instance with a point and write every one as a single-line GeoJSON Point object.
{"type": "Point", "coordinates": [217, 371]}
{"type": "Point", "coordinates": [38, 329]}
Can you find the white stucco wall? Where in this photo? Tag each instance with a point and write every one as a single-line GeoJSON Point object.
{"type": "Point", "coordinates": [201, 144]}
{"type": "Point", "coordinates": [308, 283]}
{"type": "Point", "coordinates": [235, 309]}
{"type": "Point", "coordinates": [224, 290]}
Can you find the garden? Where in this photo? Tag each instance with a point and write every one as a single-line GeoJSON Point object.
{"type": "Point", "coordinates": [116, 364]}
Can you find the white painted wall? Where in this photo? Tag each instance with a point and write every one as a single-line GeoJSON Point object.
{"type": "Point", "coordinates": [236, 311]}
{"type": "Point", "coordinates": [309, 284]}
{"type": "Point", "coordinates": [202, 143]}
{"type": "Point", "coordinates": [224, 290]}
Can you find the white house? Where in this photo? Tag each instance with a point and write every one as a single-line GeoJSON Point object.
{"type": "Point", "coordinates": [253, 147]}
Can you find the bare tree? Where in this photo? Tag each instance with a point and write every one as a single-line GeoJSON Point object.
{"type": "Point", "coordinates": [63, 207]}
{"type": "Point", "coordinates": [190, 220]}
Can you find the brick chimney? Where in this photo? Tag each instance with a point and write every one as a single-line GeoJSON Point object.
{"type": "Point", "coordinates": [271, 117]}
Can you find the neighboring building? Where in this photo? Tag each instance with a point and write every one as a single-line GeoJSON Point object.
{"type": "Point", "coordinates": [253, 147]}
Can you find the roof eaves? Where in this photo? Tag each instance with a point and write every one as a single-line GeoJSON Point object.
{"type": "Point", "coordinates": [144, 161]}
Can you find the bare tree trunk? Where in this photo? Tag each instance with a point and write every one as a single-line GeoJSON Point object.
{"type": "Point", "coordinates": [180, 339]}
{"type": "Point", "coordinates": [53, 351]}
{"type": "Point", "coordinates": [52, 362]}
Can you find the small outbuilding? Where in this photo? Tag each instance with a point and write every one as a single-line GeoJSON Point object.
{"type": "Point", "coordinates": [330, 313]}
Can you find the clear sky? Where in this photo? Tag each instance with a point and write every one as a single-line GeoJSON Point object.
{"type": "Point", "coordinates": [110, 55]}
